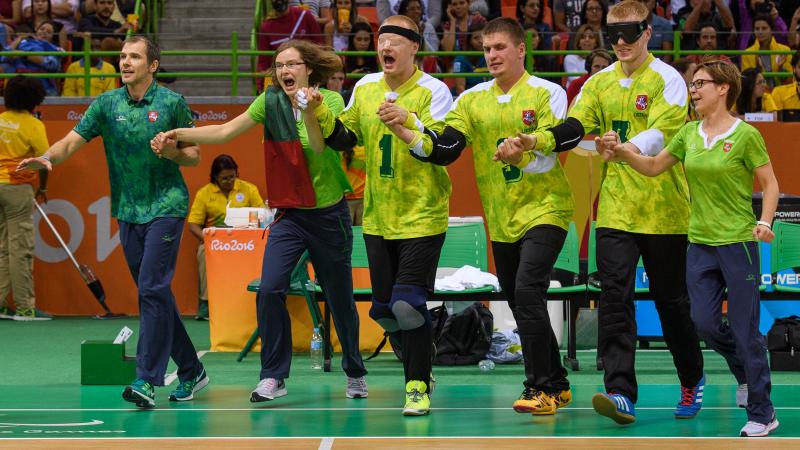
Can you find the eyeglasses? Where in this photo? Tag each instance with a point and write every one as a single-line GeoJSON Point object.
{"type": "Point", "coordinates": [698, 84]}
{"type": "Point", "coordinates": [594, 9]}
{"type": "Point", "coordinates": [290, 65]}
{"type": "Point", "coordinates": [761, 82]}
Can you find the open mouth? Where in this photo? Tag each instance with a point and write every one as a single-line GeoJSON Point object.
{"type": "Point", "coordinates": [388, 60]}
{"type": "Point", "coordinates": [289, 82]}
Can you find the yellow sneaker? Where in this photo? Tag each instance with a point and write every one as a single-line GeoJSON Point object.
{"type": "Point", "coordinates": [418, 403]}
{"type": "Point", "coordinates": [535, 402]}
{"type": "Point", "coordinates": [563, 398]}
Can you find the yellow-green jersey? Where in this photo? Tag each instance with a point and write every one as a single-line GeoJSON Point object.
{"type": "Point", "coordinates": [647, 109]}
{"type": "Point", "coordinates": [404, 197]}
{"type": "Point", "coordinates": [515, 199]}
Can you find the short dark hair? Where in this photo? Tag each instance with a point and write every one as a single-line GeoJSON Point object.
{"type": "Point", "coordinates": [765, 18]}
{"type": "Point", "coordinates": [23, 93]}
{"type": "Point", "coordinates": [153, 50]}
{"type": "Point", "coordinates": [508, 26]}
{"type": "Point", "coordinates": [220, 163]}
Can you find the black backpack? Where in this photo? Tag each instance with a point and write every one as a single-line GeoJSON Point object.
{"type": "Point", "coordinates": [461, 339]}
{"type": "Point", "coordinates": [784, 336]}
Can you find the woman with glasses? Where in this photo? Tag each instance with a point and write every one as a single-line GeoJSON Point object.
{"type": "Point", "coordinates": [754, 97]}
{"type": "Point", "coordinates": [721, 156]}
{"type": "Point", "coordinates": [226, 190]}
{"type": "Point", "coordinates": [306, 183]}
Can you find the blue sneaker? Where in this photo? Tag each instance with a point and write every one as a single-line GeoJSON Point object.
{"type": "Point", "coordinates": [617, 407]}
{"type": "Point", "coordinates": [141, 393]}
{"type": "Point", "coordinates": [691, 400]}
{"type": "Point", "coordinates": [186, 389]}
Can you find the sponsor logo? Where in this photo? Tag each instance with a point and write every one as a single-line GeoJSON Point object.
{"type": "Point", "coordinates": [727, 146]}
{"type": "Point", "coordinates": [55, 428]}
{"type": "Point", "coordinates": [528, 117]}
{"type": "Point", "coordinates": [121, 118]}
{"type": "Point", "coordinates": [152, 116]}
{"type": "Point", "coordinates": [209, 115]}
{"type": "Point", "coordinates": [233, 246]}
{"type": "Point", "coordinates": [641, 102]}
{"type": "Point", "coordinates": [781, 278]}
{"type": "Point", "coordinates": [74, 115]}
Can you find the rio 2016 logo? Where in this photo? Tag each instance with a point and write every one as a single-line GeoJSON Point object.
{"type": "Point", "coordinates": [232, 246]}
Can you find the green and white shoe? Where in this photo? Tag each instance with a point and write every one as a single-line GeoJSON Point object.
{"type": "Point", "coordinates": [31, 314]}
{"type": "Point", "coordinates": [186, 389]}
{"type": "Point", "coordinates": [7, 313]}
{"type": "Point", "coordinates": [141, 393]}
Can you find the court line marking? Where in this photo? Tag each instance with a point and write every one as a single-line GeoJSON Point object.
{"type": "Point", "coordinates": [272, 438]}
{"type": "Point", "coordinates": [506, 408]}
{"type": "Point", "coordinates": [326, 444]}
{"type": "Point", "coordinates": [174, 375]}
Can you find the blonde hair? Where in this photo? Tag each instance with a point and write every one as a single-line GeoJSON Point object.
{"type": "Point", "coordinates": [723, 72]}
{"type": "Point", "coordinates": [629, 8]}
{"type": "Point", "coordinates": [401, 21]}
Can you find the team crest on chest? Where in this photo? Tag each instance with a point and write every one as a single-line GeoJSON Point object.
{"type": "Point", "coordinates": [528, 117]}
{"type": "Point", "coordinates": [641, 102]}
{"type": "Point", "coordinates": [152, 116]}
{"type": "Point", "coordinates": [727, 146]}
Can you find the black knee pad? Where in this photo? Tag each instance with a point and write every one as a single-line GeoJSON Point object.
{"type": "Point", "coordinates": [409, 306]}
{"type": "Point", "coordinates": [382, 313]}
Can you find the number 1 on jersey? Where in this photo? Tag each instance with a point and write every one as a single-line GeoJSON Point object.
{"type": "Point", "coordinates": [385, 145]}
{"type": "Point", "coordinates": [621, 127]}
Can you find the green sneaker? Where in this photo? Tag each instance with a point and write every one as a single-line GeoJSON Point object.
{"type": "Point", "coordinates": [186, 389]}
{"type": "Point", "coordinates": [7, 313]}
{"type": "Point", "coordinates": [31, 314]}
{"type": "Point", "coordinates": [418, 403]}
{"type": "Point", "coordinates": [141, 393]}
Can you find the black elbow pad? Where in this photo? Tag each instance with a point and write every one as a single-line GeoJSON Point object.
{"type": "Point", "coordinates": [447, 147]}
{"type": "Point", "coordinates": [341, 139]}
{"type": "Point", "coordinates": [568, 134]}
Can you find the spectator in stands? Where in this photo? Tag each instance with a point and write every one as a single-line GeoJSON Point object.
{"type": "Point", "coordinates": [24, 136]}
{"type": "Point", "coordinates": [41, 12]}
{"type": "Point", "coordinates": [432, 10]}
{"type": "Point", "coordinates": [413, 10]}
{"type": "Point", "coordinates": [455, 34]}
{"type": "Point", "coordinates": [704, 11]}
{"type": "Point", "coordinates": [100, 25]}
{"type": "Point", "coordinates": [567, 15]}
{"type": "Point", "coordinates": [320, 9]}
{"type": "Point", "coordinates": [9, 15]}
{"type": "Point", "coordinates": [121, 12]}
{"type": "Point", "coordinates": [226, 190]}
{"type": "Point", "coordinates": [471, 64]}
{"type": "Point", "coordinates": [63, 13]}
{"type": "Point", "coordinates": [41, 42]}
{"type": "Point", "coordinates": [593, 13]}
{"type": "Point", "coordinates": [287, 23]}
{"type": "Point", "coordinates": [762, 24]}
{"type": "Point", "coordinates": [744, 12]}
{"type": "Point", "coordinates": [338, 30]}
{"type": "Point", "coordinates": [542, 63]}
{"type": "Point", "coordinates": [479, 7]}
{"type": "Point", "coordinates": [360, 40]}
{"type": "Point", "coordinates": [531, 14]}
{"type": "Point", "coordinates": [754, 96]}
{"type": "Point", "coordinates": [585, 39]}
{"type": "Point", "coordinates": [708, 39]}
{"type": "Point", "coordinates": [335, 83]}
{"type": "Point", "coordinates": [74, 87]}
{"type": "Point", "coordinates": [598, 60]}
{"type": "Point", "coordinates": [787, 96]}
{"type": "Point", "coordinates": [794, 26]}
{"type": "Point", "coordinates": [663, 36]}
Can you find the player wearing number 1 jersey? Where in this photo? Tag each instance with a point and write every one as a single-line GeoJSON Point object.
{"type": "Point", "coordinates": [406, 200]}
{"type": "Point", "coordinates": [525, 195]}
{"type": "Point", "coordinates": [644, 101]}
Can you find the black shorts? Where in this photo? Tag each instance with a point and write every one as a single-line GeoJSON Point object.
{"type": "Point", "coordinates": [402, 261]}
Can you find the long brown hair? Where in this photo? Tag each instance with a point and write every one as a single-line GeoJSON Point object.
{"type": "Point", "coordinates": [322, 61]}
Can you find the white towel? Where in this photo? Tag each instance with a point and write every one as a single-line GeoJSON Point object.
{"type": "Point", "coordinates": [467, 277]}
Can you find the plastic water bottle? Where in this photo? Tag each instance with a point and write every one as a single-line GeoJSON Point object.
{"type": "Point", "coordinates": [486, 365]}
{"type": "Point", "coordinates": [316, 349]}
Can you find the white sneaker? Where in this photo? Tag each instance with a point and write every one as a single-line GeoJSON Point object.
{"type": "Point", "coordinates": [356, 387]}
{"type": "Point", "coordinates": [741, 395]}
{"type": "Point", "coordinates": [268, 389]}
{"type": "Point", "coordinates": [755, 429]}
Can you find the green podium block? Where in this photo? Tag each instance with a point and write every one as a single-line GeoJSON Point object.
{"type": "Point", "coordinates": [104, 362]}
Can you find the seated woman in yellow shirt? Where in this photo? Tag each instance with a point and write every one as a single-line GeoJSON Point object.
{"type": "Point", "coordinates": [754, 96]}
{"type": "Point", "coordinates": [208, 210]}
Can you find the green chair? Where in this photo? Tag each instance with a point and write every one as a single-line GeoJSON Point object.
{"type": "Point", "coordinates": [569, 261]}
{"type": "Point", "coordinates": [298, 285]}
{"type": "Point", "coordinates": [785, 251]}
